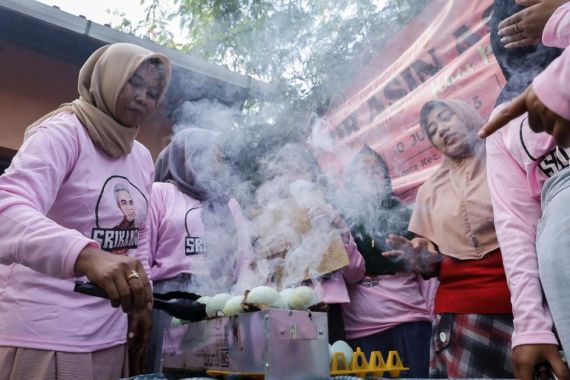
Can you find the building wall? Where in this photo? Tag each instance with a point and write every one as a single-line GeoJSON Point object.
{"type": "Point", "coordinates": [33, 85]}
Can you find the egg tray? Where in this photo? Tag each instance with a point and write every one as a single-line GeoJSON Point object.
{"type": "Point", "coordinates": [360, 366]}
{"type": "Point", "coordinates": [374, 366]}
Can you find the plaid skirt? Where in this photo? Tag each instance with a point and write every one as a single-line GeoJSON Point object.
{"type": "Point", "coordinates": [472, 346]}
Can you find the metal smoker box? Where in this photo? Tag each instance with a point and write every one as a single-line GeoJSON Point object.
{"type": "Point", "coordinates": [279, 344]}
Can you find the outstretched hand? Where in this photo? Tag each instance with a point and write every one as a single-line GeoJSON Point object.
{"type": "Point", "coordinates": [419, 253]}
{"type": "Point", "coordinates": [525, 27]}
{"type": "Point", "coordinates": [540, 118]}
{"type": "Point", "coordinates": [123, 278]}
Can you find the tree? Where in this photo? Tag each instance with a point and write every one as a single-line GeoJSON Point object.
{"type": "Point", "coordinates": [309, 49]}
{"type": "Point", "coordinates": [302, 45]}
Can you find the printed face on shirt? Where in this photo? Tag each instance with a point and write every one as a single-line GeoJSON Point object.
{"type": "Point", "coordinates": [448, 132]}
{"type": "Point", "coordinates": [121, 209]}
{"type": "Point", "coordinates": [126, 204]}
{"type": "Point", "coordinates": [138, 98]}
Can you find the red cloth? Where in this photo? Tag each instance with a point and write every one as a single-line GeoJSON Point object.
{"type": "Point", "coordinates": [473, 286]}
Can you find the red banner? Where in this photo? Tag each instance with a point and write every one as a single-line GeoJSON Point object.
{"type": "Point", "coordinates": [444, 53]}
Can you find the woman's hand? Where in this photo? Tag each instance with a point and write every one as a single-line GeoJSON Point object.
{"type": "Point", "coordinates": [140, 326]}
{"type": "Point", "coordinates": [420, 253]}
{"type": "Point", "coordinates": [123, 278]}
{"type": "Point", "coordinates": [326, 216]}
{"type": "Point", "coordinates": [527, 356]}
{"type": "Point", "coordinates": [540, 118]}
{"type": "Point", "coordinates": [525, 27]}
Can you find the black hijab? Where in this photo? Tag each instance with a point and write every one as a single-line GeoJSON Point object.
{"type": "Point", "coordinates": [191, 162]}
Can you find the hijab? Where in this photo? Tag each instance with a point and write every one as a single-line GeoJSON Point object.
{"type": "Point", "coordinates": [373, 212]}
{"type": "Point", "coordinates": [453, 207]}
{"type": "Point", "coordinates": [100, 82]}
{"type": "Point", "coordinates": [188, 162]}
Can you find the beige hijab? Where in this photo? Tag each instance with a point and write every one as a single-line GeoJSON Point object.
{"type": "Point", "coordinates": [101, 79]}
{"type": "Point", "coordinates": [453, 207]}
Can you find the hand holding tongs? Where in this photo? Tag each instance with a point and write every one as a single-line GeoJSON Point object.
{"type": "Point", "coordinates": [181, 305]}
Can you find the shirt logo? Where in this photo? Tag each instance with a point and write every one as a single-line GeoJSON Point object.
{"type": "Point", "coordinates": [194, 245]}
{"type": "Point", "coordinates": [370, 281]}
{"type": "Point", "coordinates": [125, 208]}
{"type": "Point", "coordinates": [555, 161]}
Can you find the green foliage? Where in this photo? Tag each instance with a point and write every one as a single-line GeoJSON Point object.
{"type": "Point", "coordinates": [309, 49]}
{"type": "Point", "coordinates": [301, 44]}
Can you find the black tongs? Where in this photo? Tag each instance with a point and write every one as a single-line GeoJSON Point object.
{"type": "Point", "coordinates": [181, 305]}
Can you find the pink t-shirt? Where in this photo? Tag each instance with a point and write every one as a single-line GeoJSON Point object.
{"type": "Point", "coordinates": [177, 230]}
{"type": "Point", "coordinates": [60, 194]}
{"type": "Point", "coordinates": [334, 289]}
{"type": "Point", "coordinates": [380, 302]}
{"type": "Point", "coordinates": [519, 161]}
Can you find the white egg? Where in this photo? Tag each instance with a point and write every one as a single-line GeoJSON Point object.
{"type": "Point", "coordinates": [285, 296]}
{"type": "Point", "coordinates": [216, 304]}
{"type": "Point", "coordinates": [342, 346]}
{"type": "Point", "coordinates": [233, 306]}
{"type": "Point", "coordinates": [263, 295]}
{"type": "Point", "coordinates": [302, 297]}
{"type": "Point", "coordinates": [204, 299]}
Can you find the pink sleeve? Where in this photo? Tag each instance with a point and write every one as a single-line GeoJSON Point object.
{"type": "Point", "coordinates": [516, 216]}
{"type": "Point", "coordinates": [551, 86]}
{"type": "Point", "coordinates": [28, 190]}
{"type": "Point", "coordinates": [355, 269]}
{"type": "Point", "coordinates": [557, 30]}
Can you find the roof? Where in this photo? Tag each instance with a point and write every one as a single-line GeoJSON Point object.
{"type": "Point", "coordinates": [71, 38]}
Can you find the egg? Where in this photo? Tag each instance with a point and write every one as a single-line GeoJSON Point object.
{"type": "Point", "coordinates": [263, 295]}
{"type": "Point", "coordinates": [204, 299]}
{"type": "Point", "coordinates": [345, 349]}
{"type": "Point", "coordinates": [233, 306]}
{"type": "Point", "coordinates": [302, 297]}
{"type": "Point", "coordinates": [216, 304]}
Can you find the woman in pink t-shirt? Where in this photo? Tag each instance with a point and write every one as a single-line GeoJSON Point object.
{"type": "Point", "coordinates": [78, 174]}
{"type": "Point", "coordinates": [390, 306]}
{"type": "Point", "coordinates": [199, 241]}
{"type": "Point", "coordinates": [527, 174]}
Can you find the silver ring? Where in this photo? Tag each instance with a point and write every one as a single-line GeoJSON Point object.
{"type": "Point", "coordinates": [517, 28]}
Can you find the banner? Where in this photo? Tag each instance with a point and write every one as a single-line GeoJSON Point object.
{"type": "Point", "coordinates": [444, 53]}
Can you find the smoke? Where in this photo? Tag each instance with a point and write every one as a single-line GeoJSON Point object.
{"type": "Point", "coordinates": [520, 65]}
{"type": "Point", "coordinates": [270, 145]}
{"type": "Point", "coordinates": [205, 113]}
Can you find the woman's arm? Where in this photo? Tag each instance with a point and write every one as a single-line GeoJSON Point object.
{"type": "Point", "coordinates": [28, 190]}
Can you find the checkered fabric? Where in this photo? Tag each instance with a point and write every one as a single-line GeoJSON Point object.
{"type": "Point", "coordinates": [472, 346]}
